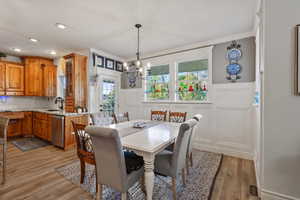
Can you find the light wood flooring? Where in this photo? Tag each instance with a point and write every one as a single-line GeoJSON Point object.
{"type": "Point", "coordinates": [31, 176]}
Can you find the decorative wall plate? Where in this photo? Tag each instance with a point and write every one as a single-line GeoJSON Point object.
{"type": "Point", "coordinates": [234, 54]}
{"type": "Point", "coordinates": [233, 69]}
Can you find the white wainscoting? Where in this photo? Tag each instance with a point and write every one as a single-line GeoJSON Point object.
{"type": "Point", "coordinates": [226, 126]}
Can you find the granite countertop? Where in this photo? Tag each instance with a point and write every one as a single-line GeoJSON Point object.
{"type": "Point", "coordinates": [43, 110]}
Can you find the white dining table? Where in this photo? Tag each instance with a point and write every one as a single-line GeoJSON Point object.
{"type": "Point", "coordinates": [147, 142]}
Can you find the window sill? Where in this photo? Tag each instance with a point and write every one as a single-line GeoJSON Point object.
{"type": "Point", "coordinates": [178, 102]}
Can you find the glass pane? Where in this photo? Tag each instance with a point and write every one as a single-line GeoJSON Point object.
{"type": "Point", "coordinates": [192, 80]}
{"type": "Point", "coordinates": [157, 84]}
{"type": "Point", "coordinates": [108, 96]}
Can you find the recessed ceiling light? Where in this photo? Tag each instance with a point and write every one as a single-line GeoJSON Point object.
{"type": "Point", "coordinates": [53, 52]}
{"type": "Point", "coordinates": [33, 40]}
{"type": "Point", "coordinates": [17, 49]}
{"type": "Point", "coordinates": [61, 26]}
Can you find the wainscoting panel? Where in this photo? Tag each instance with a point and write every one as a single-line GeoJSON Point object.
{"type": "Point", "coordinates": [226, 126]}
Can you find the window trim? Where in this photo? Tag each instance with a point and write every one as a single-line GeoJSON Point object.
{"type": "Point", "coordinates": [173, 61]}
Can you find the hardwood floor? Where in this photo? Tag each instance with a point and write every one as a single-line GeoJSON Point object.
{"type": "Point", "coordinates": [31, 176]}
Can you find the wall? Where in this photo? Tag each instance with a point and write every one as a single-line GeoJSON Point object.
{"type": "Point", "coordinates": [247, 61]}
{"type": "Point", "coordinates": [281, 153]}
{"type": "Point", "coordinates": [226, 126]}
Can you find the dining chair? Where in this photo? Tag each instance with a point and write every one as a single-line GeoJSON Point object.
{"type": "Point", "coordinates": [158, 115]}
{"type": "Point", "coordinates": [100, 119]}
{"type": "Point", "coordinates": [3, 142]}
{"type": "Point", "coordinates": [113, 169]}
{"type": "Point", "coordinates": [123, 117]}
{"type": "Point", "coordinates": [177, 117]}
{"type": "Point", "coordinates": [85, 150]}
{"type": "Point", "coordinates": [190, 144]}
{"type": "Point", "coordinates": [169, 163]}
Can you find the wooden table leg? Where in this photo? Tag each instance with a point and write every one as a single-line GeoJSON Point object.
{"type": "Point", "coordinates": [149, 174]}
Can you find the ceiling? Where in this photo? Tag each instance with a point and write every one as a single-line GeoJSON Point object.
{"type": "Point", "coordinates": [109, 25]}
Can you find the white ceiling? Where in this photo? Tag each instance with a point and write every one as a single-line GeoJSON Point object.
{"type": "Point", "coordinates": [109, 25]}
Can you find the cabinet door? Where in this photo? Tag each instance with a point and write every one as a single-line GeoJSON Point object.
{"type": "Point", "coordinates": [2, 78]}
{"type": "Point", "coordinates": [27, 124]}
{"type": "Point", "coordinates": [14, 79]}
{"type": "Point", "coordinates": [49, 81]}
{"type": "Point", "coordinates": [33, 77]}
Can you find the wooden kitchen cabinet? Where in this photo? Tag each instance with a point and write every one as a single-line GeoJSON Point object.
{"type": "Point", "coordinates": [14, 78]}
{"type": "Point", "coordinates": [27, 124]}
{"type": "Point", "coordinates": [49, 81]}
{"type": "Point", "coordinates": [2, 78]}
{"type": "Point", "coordinates": [69, 132]}
{"type": "Point", "coordinates": [15, 123]}
{"type": "Point", "coordinates": [76, 81]}
{"type": "Point", "coordinates": [40, 77]}
{"type": "Point", "coordinates": [42, 126]}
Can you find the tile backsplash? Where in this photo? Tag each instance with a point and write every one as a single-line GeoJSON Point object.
{"type": "Point", "coordinates": [15, 102]}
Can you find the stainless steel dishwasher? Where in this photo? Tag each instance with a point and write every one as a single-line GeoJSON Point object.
{"type": "Point", "coordinates": [58, 130]}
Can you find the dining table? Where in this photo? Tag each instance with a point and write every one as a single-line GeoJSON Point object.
{"type": "Point", "coordinates": [147, 142]}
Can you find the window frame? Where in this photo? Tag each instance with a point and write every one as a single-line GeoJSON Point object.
{"type": "Point", "coordinates": [173, 61]}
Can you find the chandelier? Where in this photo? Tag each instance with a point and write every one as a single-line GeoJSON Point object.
{"type": "Point", "coordinates": [134, 69]}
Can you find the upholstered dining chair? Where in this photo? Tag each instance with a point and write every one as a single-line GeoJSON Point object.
{"type": "Point", "coordinates": [172, 163]}
{"type": "Point", "coordinates": [85, 150]}
{"type": "Point", "coordinates": [158, 115]}
{"type": "Point", "coordinates": [3, 142]}
{"type": "Point", "coordinates": [100, 119]}
{"type": "Point", "coordinates": [113, 169]}
{"type": "Point", "coordinates": [177, 117]}
{"type": "Point", "coordinates": [190, 145]}
{"type": "Point", "coordinates": [122, 117]}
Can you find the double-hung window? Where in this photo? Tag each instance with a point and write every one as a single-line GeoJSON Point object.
{"type": "Point", "coordinates": [192, 80]}
{"type": "Point", "coordinates": [157, 83]}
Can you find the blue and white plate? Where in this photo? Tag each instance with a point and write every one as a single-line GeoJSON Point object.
{"type": "Point", "coordinates": [234, 54]}
{"type": "Point", "coordinates": [233, 69]}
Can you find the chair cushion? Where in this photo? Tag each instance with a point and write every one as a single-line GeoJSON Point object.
{"type": "Point", "coordinates": [163, 162]}
{"type": "Point", "coordinates": [133, 162]}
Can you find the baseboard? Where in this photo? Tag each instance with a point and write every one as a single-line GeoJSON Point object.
{"type": "Point", "coordinates": [269, 195]}
{"type": "Point", "coordinates": [223, 150]}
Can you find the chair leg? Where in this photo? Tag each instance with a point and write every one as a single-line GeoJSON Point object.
{"type": "Point", "coordinates": [99, 188]}
{"type": "Point", "coordinates": [142, 182]}
{"type": "Point", "coordinates": [187, 166]}
{"type": "Point", "coordinates": [124, 196]}
{"type": "Point", "coordinates": [191, 159]}
{"type": "Point", "coordinates": [174, 188]}
{"type": "Point", "coordinates": [183, 176]}
{"type": "Point", "coordinates": [4, 164]}
{"type": "Point", "coordinates": [82, 173]}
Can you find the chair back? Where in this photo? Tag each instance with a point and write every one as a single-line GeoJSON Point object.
{"type": "Point", "coordinates": [158, 115]}
{"type": "Point", "coordinates": [110, 161]}
{"type": "Point", "coordinates": [197, 117]}
{"type": "Point", "coordinates": [181, 145]}
{"type": "Point", "coordinates": [123, 117]}
{"type": "Point", "coordinates": [83, 139]}
{"type": "Point", "coordinates": [100, 119]}
{"type": "Point", "coordinates": [3, 129]}
{"type": "Point", "coordinates": [177, 117]}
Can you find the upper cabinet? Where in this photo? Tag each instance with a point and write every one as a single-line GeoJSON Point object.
{"type": "Point", "coordinates": [2, 78]}
{"type": "Point", "coordinates": [11, 79]}
{"type": "Point", "coordinates": [14, 79]}
{"type": "Point", "coordinates": [40, 77]}
{"type": "Point", "coordinates": [76, 81]}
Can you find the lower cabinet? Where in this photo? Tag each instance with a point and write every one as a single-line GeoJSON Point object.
{"type": "Point", "coordinates": [42, 126]}
{"type": "Point", "coordinates": [27, 124]}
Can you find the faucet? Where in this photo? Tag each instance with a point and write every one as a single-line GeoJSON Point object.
{"type": "Point", "coordinates": [61, 101]}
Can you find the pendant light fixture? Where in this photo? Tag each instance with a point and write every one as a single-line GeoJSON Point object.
{"type": "Point", "coordinates": [134, 69]}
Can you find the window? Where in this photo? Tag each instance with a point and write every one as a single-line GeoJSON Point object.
{"type": "Point", "coordinates": [157, 83]}
{"type": "Point", "coordinates": [192, 80]}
